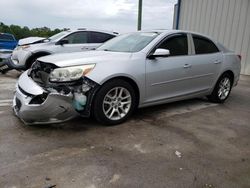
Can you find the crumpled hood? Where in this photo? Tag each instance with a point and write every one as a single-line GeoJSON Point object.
{"type": "Point", "coordinates": [30, 40]}
{"type": "Point", "coordinates": [80, 58]}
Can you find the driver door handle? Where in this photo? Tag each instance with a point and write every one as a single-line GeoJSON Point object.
{"type": "Point", "coordinates": [217, 62]}
{"type": "Point", "coordinates": [187, 66]}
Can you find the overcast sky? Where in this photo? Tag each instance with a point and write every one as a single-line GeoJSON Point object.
{"type": "Point", "coordinates": [117, 15]}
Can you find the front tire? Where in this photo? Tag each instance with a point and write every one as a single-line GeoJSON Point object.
{"type": "Point", "coordinates": [222, 89]}
{"type": "Point", "coordinates": [114, 102]}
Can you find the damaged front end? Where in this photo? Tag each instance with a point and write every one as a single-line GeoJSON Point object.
{"type": "Point", "coordinates": [38, 100]}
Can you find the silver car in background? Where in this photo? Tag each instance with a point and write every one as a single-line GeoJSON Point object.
{"type": "Point", "coordinates": [132, 70]}
{"type": "Point", "coordinates": [31, 48]}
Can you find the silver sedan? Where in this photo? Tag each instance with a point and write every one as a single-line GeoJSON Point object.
{"type": "Point", "coordinates": [132, 70]}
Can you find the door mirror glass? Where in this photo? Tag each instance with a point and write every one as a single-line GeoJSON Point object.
{"type": "Point", "coordinates": [62, 42]}
{"type": "Point", "coordinates": [160, 52]}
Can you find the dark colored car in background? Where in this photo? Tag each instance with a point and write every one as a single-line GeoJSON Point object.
{"type": "Point", "coordinates": [7, 41]}
{"type": "Point", "coordinates": [7, 44]}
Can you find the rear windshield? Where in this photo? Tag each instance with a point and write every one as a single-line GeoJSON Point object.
{"type": "Point", "coordinates": [6, 37]}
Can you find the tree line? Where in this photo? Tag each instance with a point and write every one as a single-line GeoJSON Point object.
{"type": "Point", "coordinates": [23, 32]}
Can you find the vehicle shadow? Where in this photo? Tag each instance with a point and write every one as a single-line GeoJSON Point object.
{"type": "Point", "coordinates": [12, 74]}
{"type": "Point", "coordinates": [76, 124]}
{"type": "Point", "coordinates": [174, 107]}
{"type": "Point", "coordinates": [149, 113]}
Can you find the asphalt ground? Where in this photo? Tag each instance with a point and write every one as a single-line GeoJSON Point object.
{"type": "Point", "coordinates": [192, 143]}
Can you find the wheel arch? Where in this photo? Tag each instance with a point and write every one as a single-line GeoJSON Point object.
{"type": "Point", "coordinates": [213, 95]}
{"type": "Point", "coordinates": [229, 72]}
{"type": "Point", "coordinates": [131, 81]}
{"type": "Point", "coordinates": [34, 56]}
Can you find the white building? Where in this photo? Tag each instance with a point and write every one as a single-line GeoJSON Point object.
{"type": "Point", "coordinates": [227, 21]}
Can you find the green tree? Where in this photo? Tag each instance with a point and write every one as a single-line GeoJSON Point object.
{"type": "Point", "coordinates": [23, 32]}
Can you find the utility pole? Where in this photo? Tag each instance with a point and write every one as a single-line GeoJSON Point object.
{"type": "Point", "coordinates": [139, 15]}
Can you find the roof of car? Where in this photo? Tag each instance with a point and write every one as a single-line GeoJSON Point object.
{"type": "Point", "coordinates": [172, 31]}
{"type": "Point", "coordinates": [95, 30]}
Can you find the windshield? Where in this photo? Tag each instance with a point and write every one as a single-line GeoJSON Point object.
{"type": "Point", "coordinates": [133, 42]}
{"type": "Point", "coordinates": [6, 37]}
{"type": "Point", "coordinates": [58, 35]}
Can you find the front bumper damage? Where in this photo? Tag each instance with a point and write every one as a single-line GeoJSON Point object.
{"type": "Point", "coordinates": [36, 104]}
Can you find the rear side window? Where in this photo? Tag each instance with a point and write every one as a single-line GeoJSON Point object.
{"type": "Point", "coordinates": [6, 37]}
{"type": "Point", "coordinates": [77, 38]}
{"type": "Point", "coordinates": [97, 37]}
{"type": "Point", "coordinates": [177, 45]}
{"type": "Point", "coordinates": [204, 46]}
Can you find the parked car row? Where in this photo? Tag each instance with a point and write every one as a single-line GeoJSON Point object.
{"type": "Point", "coordinates": [129, 71]}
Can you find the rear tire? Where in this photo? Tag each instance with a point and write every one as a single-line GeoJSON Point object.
{"type": "Point", "coordinates": [114, 102]}
{"type": "Point", "coordinates": [222, 89]}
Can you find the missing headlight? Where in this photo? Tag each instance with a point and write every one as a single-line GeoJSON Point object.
{"type": "Point", "coordinates": [39, 99]}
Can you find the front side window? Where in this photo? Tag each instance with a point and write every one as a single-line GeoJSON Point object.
{"type": "Point", "coordinates": [177, 45]}
{"type": "Point", "coordinates": [77, 38]}
{"type": "Point", "coordinates": [133, 42]}
{"type": "Point", "coordinates": [203, 45]}
{"type": "Point", "coordinates": [97, 37]}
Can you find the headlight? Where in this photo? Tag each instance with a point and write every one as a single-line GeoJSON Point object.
{"type": "Point", "coordinates": [70, 73]}
{"type": "Point", "coordinates": [25, 46]}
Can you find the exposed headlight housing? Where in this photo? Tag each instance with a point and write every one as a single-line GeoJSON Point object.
{"type": "Point", "coordinates": [68, 74]}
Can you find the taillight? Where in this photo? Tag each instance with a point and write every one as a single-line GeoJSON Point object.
{"type": "Point", "coordinates": [239, 56]}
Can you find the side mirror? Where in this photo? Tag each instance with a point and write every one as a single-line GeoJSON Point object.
{"type": "Point", "coordinates": [160, 52]}
{"type": "Point", "coordinates": [62, 42]}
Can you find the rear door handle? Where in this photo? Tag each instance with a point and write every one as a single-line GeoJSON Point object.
{"type": "Point", "coordinates": [84, 48]}
{"type": "Point", "coordinates": [187, 66]}
{"type": "Point", "coordinates": [217, 62]}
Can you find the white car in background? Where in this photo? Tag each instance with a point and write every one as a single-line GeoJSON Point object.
{"type": "Point", "coordinates": [29, 49]}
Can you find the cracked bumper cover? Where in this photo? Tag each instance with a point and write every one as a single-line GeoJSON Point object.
{"type": "Point", "coordinates": [54, 109]}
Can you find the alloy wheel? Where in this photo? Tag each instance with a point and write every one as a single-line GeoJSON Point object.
{"type": "Point", "coordinates": [224, 88]}
{"type": "Point", "coordinates": [117, 103]}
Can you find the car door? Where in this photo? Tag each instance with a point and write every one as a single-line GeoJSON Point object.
{"type": "Point", "coordinates": [76, 42]}
{"type": "Point", "coordinates": [97, 38]}
{"type": "Point", "coordinates": [205, 64]}
{"type": "Point", "coordinates": [166, 76]}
